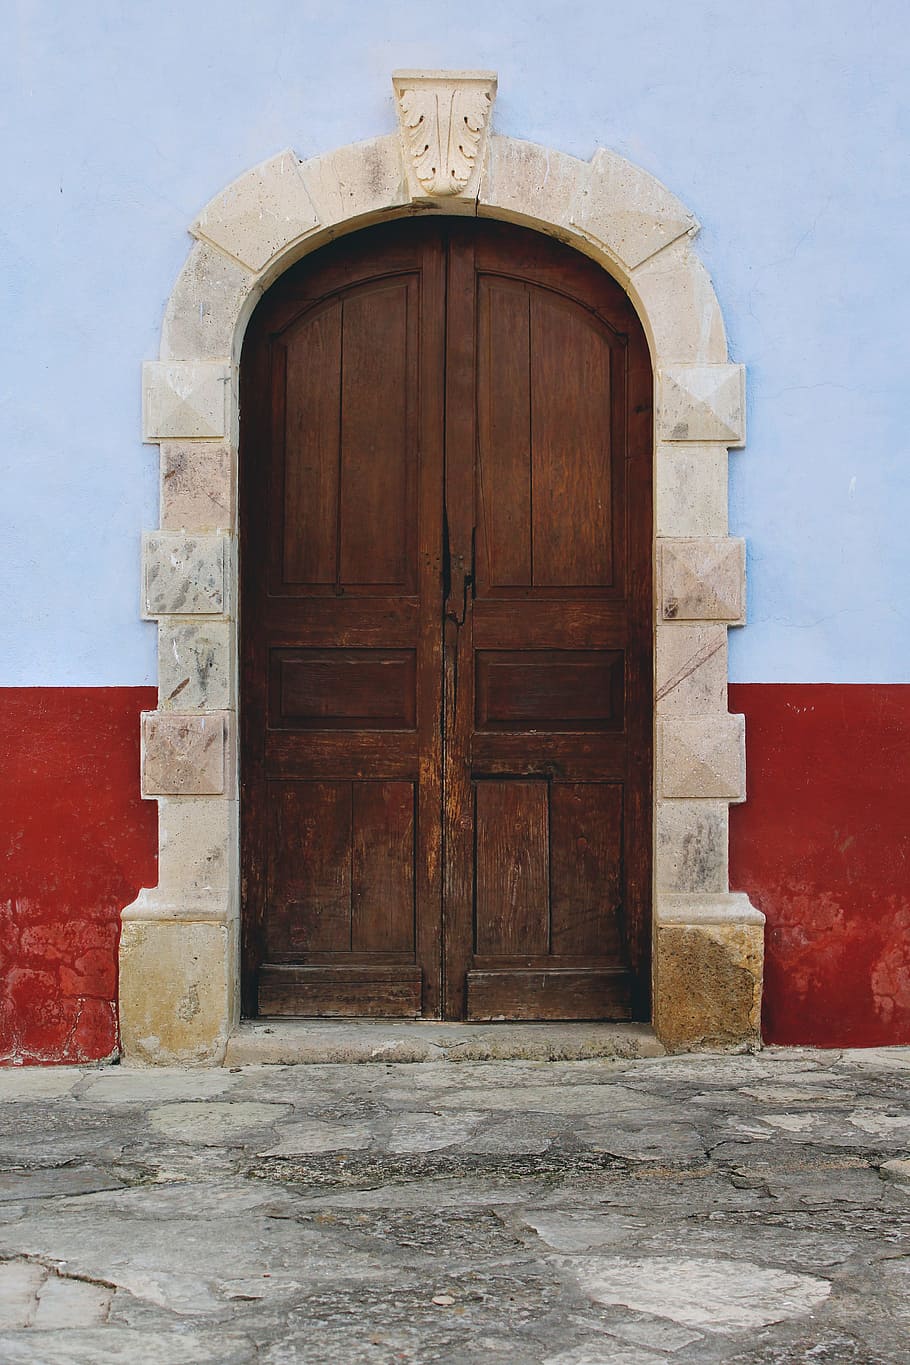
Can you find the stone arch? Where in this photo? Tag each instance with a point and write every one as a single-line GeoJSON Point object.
{"type": "Point", "coordinates": [179, 953]}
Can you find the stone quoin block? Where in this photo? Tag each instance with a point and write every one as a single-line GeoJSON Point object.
{"type": "Point", "coordinates": [703, 757]}
{"type": "Point", "coordinates": [690, 489]}
{"type": "Point", "coordinates": [691, 670]}
{"type": "Point", "coordinates": [197, 486]}
{"type": "Point", "coordinates": [194, 671]}
{"type": "Point", "coordinates": [184, 575]}
{"type": "Point", "coordinates": [702, 403]}
{"type": "Point", "coordinates": [628, 211]}
{"type": "Point", "coordinates": [690, 846]}
{"type": "Point", "coordinates": [261, 213]}
{"type": "Point", "coordinates": [183, 755]}
{"type": "Point", "coordinates": [184, 399]}
{"type": "Point", "coordinates": [195, 836]}
{"type": "Point", "coordinates": [703, 580]}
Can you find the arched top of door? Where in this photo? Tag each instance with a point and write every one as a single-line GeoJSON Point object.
{"type": "Point", "coordinates": [607, 208]}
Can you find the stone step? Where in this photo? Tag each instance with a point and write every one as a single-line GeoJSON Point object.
{"type": "Point", "coordinates": [279, 1041]}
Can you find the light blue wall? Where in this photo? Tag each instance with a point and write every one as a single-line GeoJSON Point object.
{"type": "Point", "coordinates": [783, 126]}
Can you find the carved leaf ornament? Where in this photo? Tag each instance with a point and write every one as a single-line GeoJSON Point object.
{"type": "Point", "coordinates": [444, 119]}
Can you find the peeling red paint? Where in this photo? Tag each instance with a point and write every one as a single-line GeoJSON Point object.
{"type": "Point", "coordinates": [76, 844]}
{"type": "Point", "coordinates": [822, 846]}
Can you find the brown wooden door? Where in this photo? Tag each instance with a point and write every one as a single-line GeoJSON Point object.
{"type": "Point", "coordinates": [446, 632]}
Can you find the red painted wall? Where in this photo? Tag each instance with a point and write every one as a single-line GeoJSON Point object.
{"type": "Point", "coordinates": [76, 844]}
{"type": "Point", "coordinates": [822, 846]}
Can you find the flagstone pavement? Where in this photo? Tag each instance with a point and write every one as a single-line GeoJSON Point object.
{"type": "Point", "coordinates": [749, 1208]}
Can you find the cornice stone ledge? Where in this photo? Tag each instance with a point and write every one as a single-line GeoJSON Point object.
{"type": "Point", "coordinates": [729, 907]}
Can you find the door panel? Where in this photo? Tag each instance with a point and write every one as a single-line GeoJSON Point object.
{"type": "Point", "coordinates": [446, 632]}
{"type": "Point", "coordinates": [548, 635]}
{"type": "Point", "coordinates": [341, 546]}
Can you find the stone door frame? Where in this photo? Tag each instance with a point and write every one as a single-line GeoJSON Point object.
{"type": "Point", "coordinates": [179, 950]}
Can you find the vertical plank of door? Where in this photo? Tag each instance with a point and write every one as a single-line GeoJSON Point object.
{"type": "Point", "coordinates": [431, 341]}
{"type": "Point", "coordinates": [503, 435]}
{"type": "Point", "coordinates": [512, 912]}
{"type": "Point", "coordinates": [382, 867]}
{"type": "Point", "coordinates": [458, 722]}
{"type": "Point", "coordinates": [308, 511]}
{"type": "Point", "coordinates": [586, 868]}
{"type": "Point", "coordinates": [309, 868]}
{"type": "Point", "coordinates": [570, 405]}
{"type": "Point", "coordinates": [375, 514]}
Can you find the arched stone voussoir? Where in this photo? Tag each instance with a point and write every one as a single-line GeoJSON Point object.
{"type": "Point", "coordinates": [627, 221]}
{"type": "Point", "coordinates": [525, 183]}
{"type": "Point", "coordinates": [200, 320]}
{"type": "Point", "coordinates": [676, 302]}
{"type": "Point", "coordinates": [363, 182]}
{"type": "Point", "coordinates": [261, 213]}
{"type": "Point", "coordinates": [632, 215]}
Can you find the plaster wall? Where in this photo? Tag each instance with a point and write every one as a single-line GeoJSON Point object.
{"type": "Point", "coordinates": [784, 134]}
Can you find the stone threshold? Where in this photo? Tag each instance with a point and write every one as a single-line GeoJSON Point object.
{"type": "Point", "coordinates": [283, 1042]}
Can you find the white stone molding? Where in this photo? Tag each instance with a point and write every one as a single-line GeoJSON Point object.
{"type": "Point", "coordinates": [180, 942]}
{"type": "Point", "coordinates": [443, 121]}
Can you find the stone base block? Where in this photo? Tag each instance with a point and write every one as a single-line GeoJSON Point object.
{"type": "Point", "coordinates": [176, 989]}
{"type": "Point", "coordinates": [708, 984]}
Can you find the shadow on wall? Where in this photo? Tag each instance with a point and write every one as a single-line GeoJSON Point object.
{"type": "Point", "coordinates": [822, 846]}
{"type": "Point", "coordinates": [76, 843]}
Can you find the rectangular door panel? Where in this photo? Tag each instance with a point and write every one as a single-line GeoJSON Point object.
{"type": "Point", "coordinates": [341, 868]}
{"type": "Point", "coordinates": [382, 868]}
{"type": "Point", "coordinates": [343, 689]}
{"type": "Point", "coordinates": [309, 868]}
{"type": "Point", "coordinates": [570, 452]}
{"type": "Point", "coordinates": [344, 436]}
{"type": "Point", "coordinates": [550, 690]}
{"type": "Point", "coordinates": [547, 649]}
{"type": "Point", "coordinates": [586, 860]}
{"type": "Point", "coordinates": [307, 380]}
{"type": "Point", "coordinates": [512, 868]}
{"type": "Point", "coordinates": [504, 493]}
{"type": "Point", "coordinates": [377, 436]}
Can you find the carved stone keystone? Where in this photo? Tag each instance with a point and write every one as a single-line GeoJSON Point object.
{"type": "Point", "coordinates": [444, 120]}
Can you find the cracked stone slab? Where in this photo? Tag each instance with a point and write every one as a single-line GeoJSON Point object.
{"type": "Point", "coordinates": [718, 1296]}
{"type": "Point", "coordinates": [315, 1135]}
{"type": "Point", "coordinates": [213, 1121]}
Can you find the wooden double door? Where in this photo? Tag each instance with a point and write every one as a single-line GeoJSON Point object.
{"type": "Point", "coordinates": [446, 700]}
